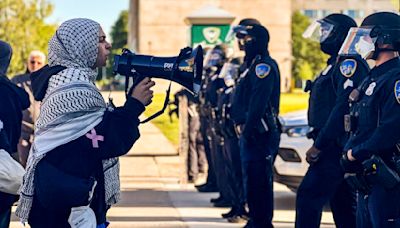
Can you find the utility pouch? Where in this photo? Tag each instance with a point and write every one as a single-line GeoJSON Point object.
{"type": "Point", "coordinates": [350, 123]}
{"type": "Point", "coordinates": [354, 95]}
{"type": "Point", "coordinates": [377, 172]}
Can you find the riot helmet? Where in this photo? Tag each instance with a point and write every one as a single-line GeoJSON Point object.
{"type": "Point", "coordinates": [237, 31]}
{"type": "Point", "coordinates": [230, 72]}
{"type": "Point", "coordinates": [330, 32]}
{"type": "Point", "coordinates": [215, 57]}
{"type": "Point", "coordinates": [376, 31]}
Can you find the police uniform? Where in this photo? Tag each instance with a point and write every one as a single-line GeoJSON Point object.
{"type": "Point", "coordinates": [376, 124]}
{"type": "Point", "coordinates": [324, 181]}
{"type": "Point", "coordinates": [254, 110]}
{"type": "Point", "coordinates": [214, 88]}
{"type": "Point", "coordinates": [232, 159]}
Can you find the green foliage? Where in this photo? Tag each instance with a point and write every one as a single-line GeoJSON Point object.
{"type": "Point", "coordinates": [119, 37]}
{"type": "Point", "coordinates": [22, 24]}
{"type": "Point", "coordinates": [297, 100]}
{"type": "Point", "coordinates": [306, 71]}
{"type": "Point", "coordinates": [163, 122]}
{"type": "Point", "coordinates": [308, 59]}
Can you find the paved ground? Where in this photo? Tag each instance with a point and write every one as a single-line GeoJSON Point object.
{"type": "Point", "coordinates": [153, 196]}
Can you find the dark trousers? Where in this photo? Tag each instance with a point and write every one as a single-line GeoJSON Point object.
{"type": "Point", "coordinates": [204, 126]}
{"type": "Point", "coordinates": [220, 166]}
{"type": "Point", "coordinates": [5, 215]}
{"type": "Point", "coordinates": [197, 161]}
{"type": "Point", "coordinates": [234, 171]}
{"type": "Point", "coordinates": [324, 183]}
{"type": "Point", "coordinates": [6, 202]}
{"type": "Point", "coordinates": [257, 158]}
{"type": "Point", "coordinates": [381, 208]}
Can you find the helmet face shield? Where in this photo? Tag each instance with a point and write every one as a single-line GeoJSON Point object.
{"type": "Point", "coordinates": [358, 42]}
{"type": "Point", "coordinates": [214, 57]}
{"type": "Point", "coordinates": [318, 31]}
{"type": "Point", "coordinates": [229, 73]}
{"type": "Point", "coordinates": [238, 31]}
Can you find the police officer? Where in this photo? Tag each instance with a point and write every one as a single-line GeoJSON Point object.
{"type": "Point", "coordinates": [328, 105]}
{"type": "Point", "coordinates": [214, 61]}
{"type": "Point", "coordinates": [231, 150]}
{"type": "Point", "coordinates": [254, 111]}
{"type": "Point", "coordinates": [375, 121]}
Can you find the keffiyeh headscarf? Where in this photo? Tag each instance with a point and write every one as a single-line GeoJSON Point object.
{"type": "Point", "coordinates": [72, 105]}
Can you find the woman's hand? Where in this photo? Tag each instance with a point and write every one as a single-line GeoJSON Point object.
{"type": "Point", "coordinates": [142, 91]}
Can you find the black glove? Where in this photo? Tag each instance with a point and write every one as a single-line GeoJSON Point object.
{"type": "Point", "coordinates": [350, 166]}
{"type": "Point", "coordinates": [312, 155]}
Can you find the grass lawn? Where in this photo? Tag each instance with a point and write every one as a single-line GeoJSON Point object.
{"type": "Point", "coordinates": [289, 102]}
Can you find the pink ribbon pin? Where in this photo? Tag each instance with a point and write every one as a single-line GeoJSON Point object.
{"type": "Point", "coordinates": [95, 138]}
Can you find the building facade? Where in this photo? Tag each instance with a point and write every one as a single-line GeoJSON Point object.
{"type": "Point", "coordinates": [160, 27]}
{"type": "Point", "coordinates": [357, 9]}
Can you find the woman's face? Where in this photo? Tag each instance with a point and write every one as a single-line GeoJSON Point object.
{"type": "Point", "coordinates": [104, 50]}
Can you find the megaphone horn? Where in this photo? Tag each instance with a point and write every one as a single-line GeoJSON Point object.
{"type": "Point", "coordinates": [188, 64]}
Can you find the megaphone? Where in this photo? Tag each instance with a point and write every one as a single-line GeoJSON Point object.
{"type": "Point", "coordinates": [185, 69]}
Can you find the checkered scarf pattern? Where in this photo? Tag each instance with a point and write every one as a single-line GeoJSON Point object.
{"type": "Point", "coordinates": [71, 107]}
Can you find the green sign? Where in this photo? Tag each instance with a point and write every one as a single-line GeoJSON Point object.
{"type": "Point", "coordinates": [208, 35]}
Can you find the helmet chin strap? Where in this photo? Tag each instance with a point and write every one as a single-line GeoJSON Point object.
{"type": "Point", "coordinates": [378, 51]}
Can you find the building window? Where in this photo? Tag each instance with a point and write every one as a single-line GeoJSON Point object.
{"type": "Point", "coordinates": [325, 13]}
{"type": "Point", "coordinates": [354, 13]}
{"type": "Point", "coordinates": [311, 13]}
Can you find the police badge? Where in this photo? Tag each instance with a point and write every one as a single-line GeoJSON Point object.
{"type": "Point", "coordinates": [262, 70]}
{"type": "Point", "coordinates": [397, 91]}
{"type": "Point", "coordinates": [348, 67]}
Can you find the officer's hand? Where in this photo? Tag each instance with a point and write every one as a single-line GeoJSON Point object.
{"type": "Point", "coordinates": [142, 91]}
{"type": "Point", "coordinates": [350, 155]}
{"type": "Point", "coordinates": [312, 155]}
{"type": "Point", "coordinates": [349, 166]}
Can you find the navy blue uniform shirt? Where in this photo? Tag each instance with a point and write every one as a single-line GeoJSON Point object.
{"type": "Point", "coordinates": [346, 75]}
{"type": "Point", "coordinates": [377, 111]}
{"type": "Point", "coordinates": [256, 93]}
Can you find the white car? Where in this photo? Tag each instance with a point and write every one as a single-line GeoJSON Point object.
{"type": "Point", "coordinates": [290, 164]}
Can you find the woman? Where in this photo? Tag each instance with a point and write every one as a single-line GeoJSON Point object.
{"type": "Point", "coordinates": [77, 138]}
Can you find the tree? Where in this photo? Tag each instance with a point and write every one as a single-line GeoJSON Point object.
{"type": "Point", "coordinates": [22, 24]}
{"type": "Point", "coordinates": [308, 59]}
{"type": "Point", "coordinates": [396, 4]}
{"type": "Point", "coordinates": [119, 37]}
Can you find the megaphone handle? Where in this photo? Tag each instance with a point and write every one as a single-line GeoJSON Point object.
{"type": "Point", "coordinates": [136, 80]}
{"type": "Point", "coordinates": [173, 72]}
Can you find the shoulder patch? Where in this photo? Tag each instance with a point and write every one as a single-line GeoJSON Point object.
{"type": "Point", "coordinates": [397, 91]}
{"type": "Point", "coordinates": [262, 70]}
{"type": "Point", "coordinates": [348, 67]}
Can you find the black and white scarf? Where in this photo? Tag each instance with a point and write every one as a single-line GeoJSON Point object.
{"type": "Point", "coordinates": [71, 107]}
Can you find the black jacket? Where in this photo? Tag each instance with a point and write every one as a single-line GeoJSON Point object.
{"type": "Point", "coordinates": [12, 101]}
{"type": "Point", "coordinates": [80, 159]}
